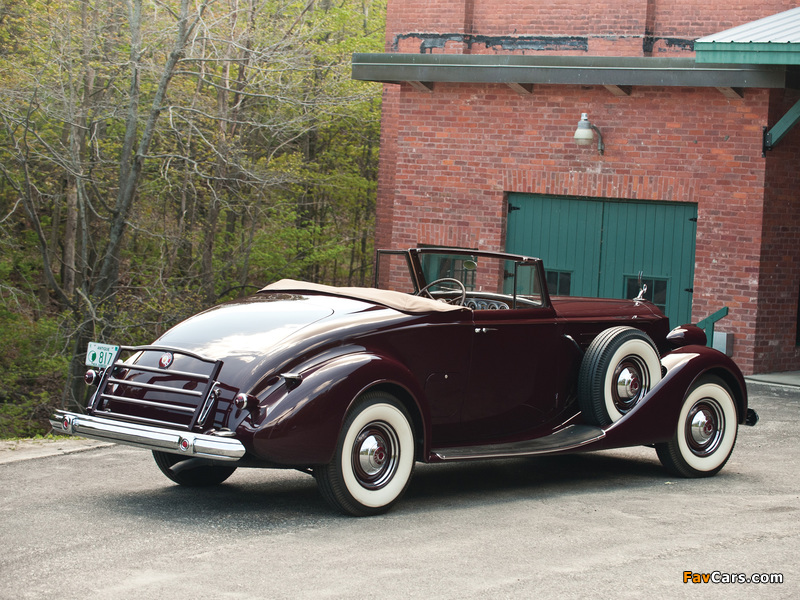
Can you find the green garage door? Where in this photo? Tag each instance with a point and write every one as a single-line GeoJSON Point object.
{"type": "Point", "coordinates": [598, 247]}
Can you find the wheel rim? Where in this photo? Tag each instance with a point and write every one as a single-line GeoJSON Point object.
{"type": "Point", "coordinates": [375, 455]}
{"type": "Point", "coordinates": [705, 427]}
{"type": "Point", "coordinates": [629, 383]}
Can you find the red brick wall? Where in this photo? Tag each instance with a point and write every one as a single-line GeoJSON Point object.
{"type": "Point", "coordinates": [443, 16]}
{"type": "Point", "coordinates": [449, 157]}
{"type": "Point", "coordinates": [621, 28]}
{"type": "Point", "coordinates": [384, 214]}
{"type": "Point", "coordinates": [779, 275]}
{"type": "Point", "coordinates": [460, 149]}
{"type": "Point", "coordinates": [693, 19]}
{"type": "Point", "coordinates": [423, 16]}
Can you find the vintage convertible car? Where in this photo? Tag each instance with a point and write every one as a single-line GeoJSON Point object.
{"type": "Point", "coordinates": [454, 355]}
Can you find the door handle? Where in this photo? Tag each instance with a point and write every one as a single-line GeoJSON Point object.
{"type": "Point", "coordinates": [485, 329]}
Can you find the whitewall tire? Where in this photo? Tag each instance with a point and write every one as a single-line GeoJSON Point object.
{"type": "Point", "coordinates": [619, 368]}
{"type": "Point", "coordinates": [706, 433]}
{"type": "Point", "coordinates": [374, 458]}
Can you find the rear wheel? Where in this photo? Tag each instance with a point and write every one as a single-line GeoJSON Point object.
{"type": "Point", "coordinates": [374, 458]}
{"type": "Point", "coordinates": [706, 434]}
{"type": "Point", "coordinates": [191, 472]}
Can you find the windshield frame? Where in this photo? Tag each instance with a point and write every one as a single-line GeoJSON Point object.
{"type": "Point", "coordinates": [414, 258]}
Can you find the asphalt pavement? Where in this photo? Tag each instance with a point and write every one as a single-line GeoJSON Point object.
{"type": "Point", "coordinates": [88, 520]}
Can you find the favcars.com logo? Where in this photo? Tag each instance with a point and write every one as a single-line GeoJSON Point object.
{"type": "Point", "coordinates": [720, 577]}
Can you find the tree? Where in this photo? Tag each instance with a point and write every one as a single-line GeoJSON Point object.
{"type": "Point", "coordinates": [165, 154]}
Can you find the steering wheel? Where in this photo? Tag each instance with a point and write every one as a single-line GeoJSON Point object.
{"type": "Point", "coordinates": [457, 301]}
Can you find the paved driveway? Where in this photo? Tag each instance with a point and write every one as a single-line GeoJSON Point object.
{"type": "Point", "coordinates": [81, 521]}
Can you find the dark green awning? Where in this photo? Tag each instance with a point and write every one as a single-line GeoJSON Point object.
{"type": "Point", "coordinates": [523, 71]}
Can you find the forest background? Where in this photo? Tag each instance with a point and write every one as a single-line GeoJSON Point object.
{"type": "Point", "coordinates": [161, 156]}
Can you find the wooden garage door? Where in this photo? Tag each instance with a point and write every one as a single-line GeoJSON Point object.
{"type": "Point", "coordinates": [598, 247]}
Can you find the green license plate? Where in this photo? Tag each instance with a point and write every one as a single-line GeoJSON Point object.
{"type": "Point", "coordinates": [100, 355]}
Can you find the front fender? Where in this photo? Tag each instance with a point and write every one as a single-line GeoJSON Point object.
{"type": "Point", "coordinates": [301, 427]}
{"type": "Point", "coordinates": [655, 418]}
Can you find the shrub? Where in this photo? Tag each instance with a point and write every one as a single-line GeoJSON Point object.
{"type": "Point", "coordinates": [32, 373]}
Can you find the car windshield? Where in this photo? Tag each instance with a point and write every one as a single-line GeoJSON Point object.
{"type": "Point", "coordinates": [484, 276]}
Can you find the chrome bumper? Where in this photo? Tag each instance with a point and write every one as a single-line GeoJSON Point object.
{"type": "Point", "coordinates": [146, 436]}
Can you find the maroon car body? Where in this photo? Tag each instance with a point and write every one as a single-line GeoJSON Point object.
{"type": "Point", "coordinates": [460, 355]}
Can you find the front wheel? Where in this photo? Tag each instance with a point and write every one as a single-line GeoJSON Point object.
{"type": "Point", "coordinates": [706, 434]}
{"type": "Point", "coordinates": [374, 458]}
{"type": "Point", "coordinates": [197, 473]}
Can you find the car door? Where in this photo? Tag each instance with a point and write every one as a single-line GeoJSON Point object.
{"type": "Point", "coordinates": [515, 381]}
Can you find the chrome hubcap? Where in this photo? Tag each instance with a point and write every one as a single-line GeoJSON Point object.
{"type": "Point", "coordinates": [372, 455]}
{"type": "Point", "coordinates": [705, 426]}
{"type": "Point", "coordinates": [629, 383]}
{"type": "Point", "coordinates": [375, 455]}
{"type": "Point", "coordinates": [702, 427]}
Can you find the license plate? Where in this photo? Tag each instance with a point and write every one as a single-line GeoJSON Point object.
{"type": "Point", "coordinates": [100, 355]}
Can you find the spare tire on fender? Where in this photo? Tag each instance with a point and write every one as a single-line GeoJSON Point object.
{"type": "Point", "coordinates": [621, 365]}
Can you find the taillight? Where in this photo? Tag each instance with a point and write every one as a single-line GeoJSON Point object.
{"type": "Point", "coordinates": [243, 401]}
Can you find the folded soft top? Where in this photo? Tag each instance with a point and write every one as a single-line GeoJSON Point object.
{"type": "Point", "coordinates": [397, 300]}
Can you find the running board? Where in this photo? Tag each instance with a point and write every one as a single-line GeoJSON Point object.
{"type": "Point", "coordinates": [569, 438]}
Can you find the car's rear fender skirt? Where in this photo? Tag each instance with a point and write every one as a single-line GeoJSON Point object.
{"type": "Point", "coordinates": [655, 418]}
{"type": "Point", "coordinates": [301, 428]}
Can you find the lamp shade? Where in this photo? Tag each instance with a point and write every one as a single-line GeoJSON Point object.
{"type": "Point", "coordinates": [584, 134]}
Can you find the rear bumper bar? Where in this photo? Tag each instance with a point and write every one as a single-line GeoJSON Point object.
{"type": "Point", "coordinates": [146, 436]}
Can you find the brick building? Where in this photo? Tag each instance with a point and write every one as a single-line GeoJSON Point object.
{"type": "Point", "coordinates": [481, 101]}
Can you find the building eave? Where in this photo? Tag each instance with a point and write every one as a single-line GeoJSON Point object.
{"type": "Point", "coordinates": [525, 70]}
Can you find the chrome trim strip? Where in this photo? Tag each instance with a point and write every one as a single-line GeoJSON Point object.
{"type": "Point", "coordinates": [129, 418]}
{"type": "Point", "coordinates": [205, 410]}
{"type": "Point", "coordinates": [146, 436]}
{"type": "Point", "coordinates": [153, 386]}
{"type": "Point", "coordinates": [569, 438]}
{"type": "Point", "coordinates": [146, 369]}
{"type": "Point", "coordinates": [164, 405]}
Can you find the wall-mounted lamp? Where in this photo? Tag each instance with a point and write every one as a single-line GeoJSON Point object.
{"type": "Point", "coordinates": [584, 134]}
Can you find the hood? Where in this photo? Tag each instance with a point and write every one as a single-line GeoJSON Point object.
{"type": "Point", "coordinates": [576, 307]}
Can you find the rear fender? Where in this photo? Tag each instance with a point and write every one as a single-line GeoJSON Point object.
{"type": "Point", "coordinates": [302, 423]}
{"type": "Point", "coordinates": [655, 418]}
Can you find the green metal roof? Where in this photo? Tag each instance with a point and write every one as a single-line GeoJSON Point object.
{"type": "Point", "coordinates": [774, 40]}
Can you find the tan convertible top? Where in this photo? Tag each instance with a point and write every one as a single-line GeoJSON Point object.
{"type": "Point", "coordinates": [397, 300]}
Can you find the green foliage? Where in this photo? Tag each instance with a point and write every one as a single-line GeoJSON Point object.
{"type": "Point", "coordinates": [288, 249]}
{"type": "Point", "coordinates": [262, 165]}
{"type": "Point", "coordinates": [32, 370]}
